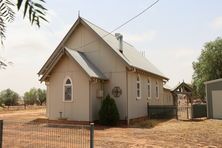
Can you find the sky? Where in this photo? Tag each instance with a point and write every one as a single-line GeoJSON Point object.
{"type": "Point", "coordinates": [172, 35]}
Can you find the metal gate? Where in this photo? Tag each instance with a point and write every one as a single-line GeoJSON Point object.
{"type": "Point", "coordinates": [184, 112]}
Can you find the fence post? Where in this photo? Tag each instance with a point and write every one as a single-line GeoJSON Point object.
{"type": "Point", "coordinates": [1, 133]}
{"type": "Point", "coordinates": [91, 135]}
{"type": "Point", "coordinates": [177, 112]}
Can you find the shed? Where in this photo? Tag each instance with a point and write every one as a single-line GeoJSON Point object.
{"type": "Point", "coordinates": [213, 90]}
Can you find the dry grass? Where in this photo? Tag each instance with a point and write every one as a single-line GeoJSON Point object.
{"type": "Point", "coordinates": [146, 123]}
{"type": "Point", "coordinates": [11, 109]}
{"type": "Point", "coordinates": [153, 133]}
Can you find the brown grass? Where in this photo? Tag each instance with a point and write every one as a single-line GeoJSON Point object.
{"type": "Point", "coordinates": [152, 133]}
{"type": "Point", "coordinates": [146, 123]}
{"type": "Point", "coordinates": [10, 109]}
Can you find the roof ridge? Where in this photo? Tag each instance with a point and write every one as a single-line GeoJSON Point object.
{"type": "Point", "coordinates": [108, 33]}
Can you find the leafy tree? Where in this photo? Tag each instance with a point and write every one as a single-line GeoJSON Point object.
{"type": "Point", "coordinates": [108, 114]}
{"type": "Point", "coordinates": [33, 9]}
{"type": "Point", "coordinates": [208, 66]}
{"type": "Point", "coordinates": [30, 97]}
{"type": "Point", "coordinates": [9, 97]}
{"type": "Point", "coordinates": [41, 96]}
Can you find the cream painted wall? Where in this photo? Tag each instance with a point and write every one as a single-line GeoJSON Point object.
{"type": "Point", "coordinates": [118, 79]}
{"type": "Point", "coordinates": [104, 58]}
{"type": "Point", "coordinates": [86, 105]}
{"type": "Point", "coordinates": [78, 109]}
{"type": "Point", "coordinates": [138, 107]}
{"type": "Point", "coordinates": [95, 101]}
{"type": "Point", "coordinates": [167, 97]}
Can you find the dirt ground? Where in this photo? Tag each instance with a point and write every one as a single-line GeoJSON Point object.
{"type": "Point", "coordinates": [170, 133]}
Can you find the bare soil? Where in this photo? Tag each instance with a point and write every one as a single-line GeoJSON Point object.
{"type": "Point", "coordinates": [165, 133]}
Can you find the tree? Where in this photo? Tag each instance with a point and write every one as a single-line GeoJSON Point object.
{"type": "Point", "coordinates": [108, 114]}
{"type": "Point", "coordinates": [9, 97]}
{"type": "Point", "coordinates": [34, 9]}
{"type": "Point", "coordinates": [30, 97]}
{"type": "Point", "coordinates": [41, 96]}
{"type": "Point", "coordinates": [208, 66]}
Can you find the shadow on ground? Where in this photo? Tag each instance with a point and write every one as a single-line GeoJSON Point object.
{"type": "Point", "coordinates": [147, 123]}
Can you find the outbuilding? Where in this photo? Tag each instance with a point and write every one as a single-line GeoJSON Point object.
{"type": "Point", "coordinates": [213, 90]}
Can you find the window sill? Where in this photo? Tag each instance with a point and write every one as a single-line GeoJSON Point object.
{"type": "Point", "coordinates": [67, 101]}
{"type": "Point", "coordinates": [138, 98]}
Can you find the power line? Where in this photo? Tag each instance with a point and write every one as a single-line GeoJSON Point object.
{"type": "Point", "coordinates": [131, 19]}
{"type": "Point", "coordinates": [150, 6]}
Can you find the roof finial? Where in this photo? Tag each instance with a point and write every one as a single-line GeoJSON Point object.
{"type": "Point", "coordinates": [79, 13]}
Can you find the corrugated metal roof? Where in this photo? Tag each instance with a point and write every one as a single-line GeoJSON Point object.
{"type": "Point", "coordinates": [89, 68]}
{"type": "Point", "coordinates": [165, 86]}
{"type": "Point", "coordinates": [130, 55]}
{"type": "Point", "coordinates": [213, 81]}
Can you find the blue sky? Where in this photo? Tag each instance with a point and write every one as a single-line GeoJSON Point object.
{"type": "Point", "coordinates": [172, 35]}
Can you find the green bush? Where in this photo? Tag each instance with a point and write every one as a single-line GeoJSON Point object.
{"type": "Point", "coordinates": [108, 114]}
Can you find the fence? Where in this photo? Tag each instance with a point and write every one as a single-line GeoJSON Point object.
{"type": "Point", "coordinates": [199, 110]}
{"type": "Point", "coordinates": [47, 135]}
{"type": "Point", "coordinates": [162, 111]}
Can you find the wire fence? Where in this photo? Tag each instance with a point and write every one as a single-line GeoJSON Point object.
{"type": "Point", "coordinates": [47, 135]}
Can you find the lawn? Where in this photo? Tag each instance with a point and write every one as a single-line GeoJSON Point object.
{"type": "Point", "coordinates": [154, 133]}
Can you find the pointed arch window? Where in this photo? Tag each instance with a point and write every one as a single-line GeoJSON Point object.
{"type": "Point", "coordinates": [138, 87]}
{"type": "Point", "coordinates": [157, 90]}
{"type": "Point", "coordinates": [67, 90]}
{"type": "Point", "coordinates": [148, 88]}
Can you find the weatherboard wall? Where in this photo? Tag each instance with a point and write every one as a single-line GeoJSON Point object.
{"type": "Point", "coordinates": [138, 106]}
{"type": "Point", "coordinates": [105, 59]}
{"type": "Point", "coordinates": [78, 109]}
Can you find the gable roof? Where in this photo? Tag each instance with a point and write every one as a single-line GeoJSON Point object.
{"type": "Point", "coordinates": [130, 55]}
{"type": "Point", "coordinates": [81, 60]}
{"type": "Point", "coordinates": [86, 65]}
{"type": "Point", "coordinates": [184, 85]}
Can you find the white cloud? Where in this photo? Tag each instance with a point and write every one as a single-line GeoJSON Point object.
{"type": "Point", "coordinates": [142, 37]}
{"type": "Point", "coordinates": [217, 23]}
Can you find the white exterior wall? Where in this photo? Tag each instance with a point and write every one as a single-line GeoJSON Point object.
{"type": "Point", "coordinates": [78, 109]}
{"type": "Point", "coordinates": [104, 58]}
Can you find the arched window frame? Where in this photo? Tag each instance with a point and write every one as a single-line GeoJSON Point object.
{"type": "Point", "coordinates": [157, 90]}
{"type": "Point", "coordinates": [138, 87]}
{"type": "Point", "coordinates": [64, 88]}
{"type": "Point", "coordinates": [149, 92]}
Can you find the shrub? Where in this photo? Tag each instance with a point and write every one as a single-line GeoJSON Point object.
{"type": "Point", "coordinates": [108, 114]}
